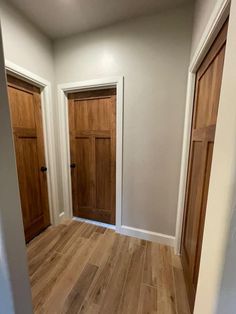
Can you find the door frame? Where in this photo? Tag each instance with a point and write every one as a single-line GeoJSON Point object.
{"type": "Point", "coordinates": [216, 21]}
{"type": "Point", "coordinates": [48, 132]}
{"type": "Point", "coordinates": [63, 90]}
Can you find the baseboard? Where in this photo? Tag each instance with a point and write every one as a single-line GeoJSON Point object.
{"type": "Point", "coordinates": [61, 217]}
{"type": "Point", "coordinates": [147, 235]}
{"type": "Point", "coordinates": [93, 222]}
{"type": "Point", "coordinates": [130, 231]}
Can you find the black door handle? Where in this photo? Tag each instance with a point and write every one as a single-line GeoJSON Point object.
{"type": "Point", "coordinates": [43, 169]}
{"type": "Point", "coordinates": [73, 165]}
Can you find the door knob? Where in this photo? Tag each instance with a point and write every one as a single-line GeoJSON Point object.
{"type": "Point", "coordinates": [43, 169]}
{"type": "Point", "coordinates": [73, 165]}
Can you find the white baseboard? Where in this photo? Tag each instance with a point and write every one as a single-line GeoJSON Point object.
{"type": "Point", "coordinates": [130, 231]}
{"type": "Point", "coordinates": [61, 217]}
{"type": "Point", "coordinates": [148, 235]}
{"type": "Point", "coordinates": [93, 222]}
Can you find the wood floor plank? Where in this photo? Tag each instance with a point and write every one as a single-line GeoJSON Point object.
{"type": "Point", "coordinates": [101, 229]}
{"type": "Point", "coordinates": [47, 276]}
{"type": "Point", "coordinates": [70, 239]}
{"type": "Point", "coordinates": [148, 300]}
{"type": "Point", "coordinates": [166, 292]}
{"type": "Point", "coordinates": [58, 295]}
{"type": "Point", "coordinates": [41, 242]}
{"type": "Point", "coordinates": [131, 291]}
{"type": "Point", "coordinates": [68, 235]}
{"type": "Point", "coordinates": [88, 230]}
{"type": "Point", "coordinates": [77, 294]}
{"type": "Point", "coordinates": [103, 249]}
{"type": "Point", "coordinates": [116, 284]}
{"type": "Point", "coordinates": [99, 286]}
{"type": "Point", "coordinates": [39, 253]}
{"type": "Point", "coordinates": [182, 304]}
{"type": "Point", "coordinates": [151, 271]}
{"type": "Point", "coordinates": [81, 268]}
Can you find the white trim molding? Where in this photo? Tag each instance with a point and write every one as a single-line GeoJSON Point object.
{"type": "Point", "coordinates": [148, 235]}
{"type": "Point", "coordinates": [63, 90]}
{"type": "Point", "coordinates": [48, 132]}
{"type": "Point", "coordinates": [216, 21]}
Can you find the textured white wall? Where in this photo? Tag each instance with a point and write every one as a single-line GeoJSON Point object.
{"type": "Point", "coordinates": [152, 53]}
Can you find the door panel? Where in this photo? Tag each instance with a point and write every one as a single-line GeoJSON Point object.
{"type": "Point", "coordinates": [84, 172]}
{"type": "Point", "coordinates": [22, 115]}
{"type": "Point", "coordinates": [26, 117]}
{"type": "Point", "coordinates": [93, 114]}
{"type": "Point", "coordinates": [206, 102]}
{"type": "Point", "coordinates": [92, 146]}
{"type": "Point", "coordinates": [103, 173]}
{"type": "Point", "coordinates": [29, 183]}
{"type": "Point", "coordinates": [203, 212]}
{"type": "Point", "coordinates": [192, 203]}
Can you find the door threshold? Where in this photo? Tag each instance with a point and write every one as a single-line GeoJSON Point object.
{"type": "Point", "coordinates": [94, 222]}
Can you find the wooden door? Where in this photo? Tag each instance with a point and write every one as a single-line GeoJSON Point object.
{"type": "Point", "coordinates": [207, 94]}
{"type": "Point", "coordinates": [26, 118]}
{"type": "Point", "coordinates": [92, 123]}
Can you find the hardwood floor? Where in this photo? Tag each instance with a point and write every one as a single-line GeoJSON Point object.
{"type": "Point", "coordinates": [81, 268]}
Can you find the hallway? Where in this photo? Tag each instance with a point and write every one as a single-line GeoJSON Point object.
{"type": "Point", "coordinates": [81, 268]}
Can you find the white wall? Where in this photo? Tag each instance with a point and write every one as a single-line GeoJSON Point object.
{"type": "Point", "coordinates": [24, 44]}
{"type": "Point", "coordinates": [152, 53]}
{"type": "Point", "coordinates": [227, 295]}
{"type": "Point", "coordinates": [15, 294]}
{"type": "Point", "coordinates": [202, 12]}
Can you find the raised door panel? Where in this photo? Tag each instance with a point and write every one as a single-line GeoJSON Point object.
{"type": "Point", "coordinates": [22, 108]}
{"type": "Point", "coordinates": [203, 104]}
{"type": "Point", "coordinates": [206, 179]}
{"type": "Point", "coordinates": [93, 114]}
{"type": "Point", "coordinates": [209, 85]}
{"type": "Point", "coordinates": [103, 173]}
{"type": "Point", "coordinates": [193, 203]}
{"type": "Point", "coordinates": [84, 171]}
{"type": "Point", "coordinates": [29, 181]}
{"type": "Point", "coordinates": [216, 86]}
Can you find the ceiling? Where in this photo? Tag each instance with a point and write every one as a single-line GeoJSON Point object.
{"type": "Point", "coordinates": [59, 18]}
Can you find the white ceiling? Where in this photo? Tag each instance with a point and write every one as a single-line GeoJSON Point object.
{"type": "Point", "coordinates": [59, 18]}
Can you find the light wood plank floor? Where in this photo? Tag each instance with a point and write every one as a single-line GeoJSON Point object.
{"type": "Point", "coordinates": [81, 268]}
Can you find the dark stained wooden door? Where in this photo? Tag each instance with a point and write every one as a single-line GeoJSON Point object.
{"type": "Point", "coordinates": [207, 94]}
{"type": "Point", "coordinates": [26, 118]}
{"type": "Point", "coordinates": [92, 123]}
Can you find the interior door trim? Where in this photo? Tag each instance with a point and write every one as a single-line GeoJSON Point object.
{"type": "Point", "coordinates": [48, 127]}
{"type": "Point", "coordinates": [63, 90]}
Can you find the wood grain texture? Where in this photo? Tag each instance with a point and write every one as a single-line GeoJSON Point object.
{"type": "Point", "coordinates": [204, 120]}
{"type": "Point", "coordinates": [27, 124]}
{"type": "Point", "coordinates": [92, 125]}
{"type": "Point", "coordinates": [81, 268]}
